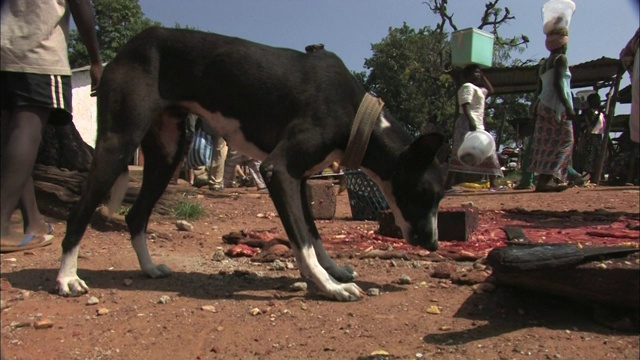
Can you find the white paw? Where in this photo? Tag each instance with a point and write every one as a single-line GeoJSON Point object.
{"type": "Point", "coordinates": [157, 271]}
{"type": "Point", "coordinates": [71, 286]}
{"type": "Point", "coordinates": [346, 292]}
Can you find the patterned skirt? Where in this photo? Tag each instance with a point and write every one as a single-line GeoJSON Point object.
{"type": "Point", "coordinates": [490, 166]}
{"type": "Point", "coordinates": [552, 144]}
{"type": "Point", "coordinates": [592, 143]}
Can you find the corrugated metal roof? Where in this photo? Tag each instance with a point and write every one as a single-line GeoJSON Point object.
{"type": "Point", "coordinates": [523, 79]}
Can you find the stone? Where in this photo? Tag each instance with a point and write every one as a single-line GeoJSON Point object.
{"type": "Point", "coordinates": [469, 278]}
{"type": "Point", "coordinates": [92, 300]}
{"type": "Point", "coordinates": [298, 286]}
{"type": "Point", "coordinates": [43, 324]}
{"type": "Point", "coordinates": [184, 225]}
{"type": "Point", "coordinates": [102, 311]}
{"type": "Point", "coordinates": [218, 255]}
{"type": "Point", "coordinates": [443, 270]}
{"type": "Point", "coordinates": [373, 292]}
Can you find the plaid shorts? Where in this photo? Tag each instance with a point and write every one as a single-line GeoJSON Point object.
{"type": "Point", "coordinates": [26, 89]}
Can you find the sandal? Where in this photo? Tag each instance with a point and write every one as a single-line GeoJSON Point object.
{"type": "Point", "coordinates": [49, 230]}
{"type": "Point", "coordinates": [498, 188]}
{"type": "Point", "coordinates": [29, 242]}
{"type": "Point", "coordinates": [551, 188]}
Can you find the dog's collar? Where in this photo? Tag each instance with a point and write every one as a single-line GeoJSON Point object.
{"type": "Point", "coordinates": [363, 124]}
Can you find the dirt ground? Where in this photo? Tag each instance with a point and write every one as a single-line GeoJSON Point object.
{"type": "Point", "coordinates": [218, 307]}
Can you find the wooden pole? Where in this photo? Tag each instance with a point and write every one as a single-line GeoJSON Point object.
{"type": "Point", "coordinates": [609, 113]}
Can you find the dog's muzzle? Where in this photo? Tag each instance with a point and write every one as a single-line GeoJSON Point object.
{"type": "Point", "coordinates": [425, 238]}
{"type": "Point", "coordinates": [428, 242]}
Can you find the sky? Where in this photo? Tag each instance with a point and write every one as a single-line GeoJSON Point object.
{"type": "Point", "coordinates": [348, 27]}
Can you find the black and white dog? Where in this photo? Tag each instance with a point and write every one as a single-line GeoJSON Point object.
{"type": "Point", "coordinates": [290, 109]}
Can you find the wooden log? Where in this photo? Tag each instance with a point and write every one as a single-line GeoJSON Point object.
{"type": "Point", "coordinates": [614, 282]}
{"type": "Point", "coordinates": [57, 191]}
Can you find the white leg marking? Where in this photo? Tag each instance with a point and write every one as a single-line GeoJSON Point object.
{"type": "Point", "coordinates": [326, 284]}
{"type": "Point", "coordinates": [118, 192]}
{"type": "Point", "coordinates": [152, 270]}
{"type": "Point", "coordinates": [68, 283]}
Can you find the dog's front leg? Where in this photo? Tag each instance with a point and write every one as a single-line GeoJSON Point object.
{"type": "Point", "coordinates": [343, 274]}
{"type": "Point", "coordinates": [285, 192]}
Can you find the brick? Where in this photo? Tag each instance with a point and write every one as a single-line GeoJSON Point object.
{"type": "Point", "coordinates": [457, 223]}
{"type": "Point", "coordinates": [454, 223]}
{"type": "Point", "coordinates": [321, 198]}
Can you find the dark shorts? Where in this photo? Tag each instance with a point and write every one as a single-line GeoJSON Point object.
{"type": "Point", "coordinates": [25, 89]}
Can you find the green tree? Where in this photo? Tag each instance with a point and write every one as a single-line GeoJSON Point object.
{"type": "Point", "coordinates": [406, 70]}
{"type": "Point", "coordinates": [117, 21]}
{"type": "Point", "coordinates": [410, 70]}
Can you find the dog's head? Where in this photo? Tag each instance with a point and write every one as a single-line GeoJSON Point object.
{"type": "Point", "coordinates": [418, 187]}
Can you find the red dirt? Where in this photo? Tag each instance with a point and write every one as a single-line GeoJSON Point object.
{"type": "Point", "coordinates": [236, 308]}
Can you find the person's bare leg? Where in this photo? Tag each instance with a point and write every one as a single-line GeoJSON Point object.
{"type": "Point", "coordinates": [33, 221]}
{"type": "Point", "coordinates": [492, 181]}
{"type": "Point", "coordinates": [22, 133]}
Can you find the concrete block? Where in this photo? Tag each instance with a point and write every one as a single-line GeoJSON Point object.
{"type": "Point", "coordinates": [454, 223]}
{"type": "Point", "coordinates": [321, 198]}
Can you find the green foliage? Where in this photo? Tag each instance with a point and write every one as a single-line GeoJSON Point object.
{"type": "Point", "coordinates": [407, 72]}
{"type": "Point", "coordinates": [124, 210]}
{"type": "Point", "coordinates": [117, 21]}
{"type": "Point", "coordinates": [188, 209]}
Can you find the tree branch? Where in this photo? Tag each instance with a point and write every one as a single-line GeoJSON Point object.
{"type": "Point", "coordinates": [492, 13]}
{"type": "Point", "coordinates": [440, 7]}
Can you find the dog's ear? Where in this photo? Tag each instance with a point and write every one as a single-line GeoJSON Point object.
{"type": "Point", "coordinates": [424, 148]}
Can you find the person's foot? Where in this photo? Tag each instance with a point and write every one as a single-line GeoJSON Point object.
{"type": "Point", "coordinates": [216, 187]}
{"type": "Point", "coordinates": [551, 187]}
{"type": "Point", "coordinates": [39, 228]}
{"type": "Point", "coordinates": [523, 186]}
{"type": "Point", "coordinates": [577, 181]}
{"type": "Point", "coordinates": [19, 242]}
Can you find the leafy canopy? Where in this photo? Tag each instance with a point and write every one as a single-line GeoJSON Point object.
{"type": "Point", "coordinates": [117, 21]}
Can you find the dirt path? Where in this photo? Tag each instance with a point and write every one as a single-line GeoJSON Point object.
{"type": "Point", "coordinates": [232, 308]}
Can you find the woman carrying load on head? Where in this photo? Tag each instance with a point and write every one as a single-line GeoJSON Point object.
{"type": "Point", "coordinates": [471, 100]}
{"type": "Point", "coordinates": [553, 136]}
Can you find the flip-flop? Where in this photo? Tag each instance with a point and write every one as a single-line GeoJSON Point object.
{"type": "Point", "coordinates": [49, 228]}
{"type": "Point", "coordinates": [29, 242]}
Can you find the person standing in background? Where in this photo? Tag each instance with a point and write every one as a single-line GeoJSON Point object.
{"type": "Point", "coordinates": [592, 135]}
{"type": "Point", "coordinates": [35, 80]}
{"type": "Point", "coordinates": [553, 135]}
{"type": "Point", "coordinates": [216, 168]}
{"type": "Point", "coordinates": [471, 100]}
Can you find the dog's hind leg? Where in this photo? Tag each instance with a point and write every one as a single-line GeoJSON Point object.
{"type": "Point", "coordinates": [164, 149]}
{"type": "Point", "coordinates": [113, 163]}
{"type": "Point", "coordinates": [344, 274]}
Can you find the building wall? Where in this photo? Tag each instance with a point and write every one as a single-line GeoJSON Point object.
{"type": "Point", "coordinates": [84, 106]}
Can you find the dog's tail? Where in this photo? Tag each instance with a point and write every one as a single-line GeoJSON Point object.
{"type": "Point", "coordinates": [118, 191]}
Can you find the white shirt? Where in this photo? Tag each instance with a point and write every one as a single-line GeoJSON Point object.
{"type": "Point", "coordinates": [33, 37]}
{"type": "Point", "coordinates": [475, 97]}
